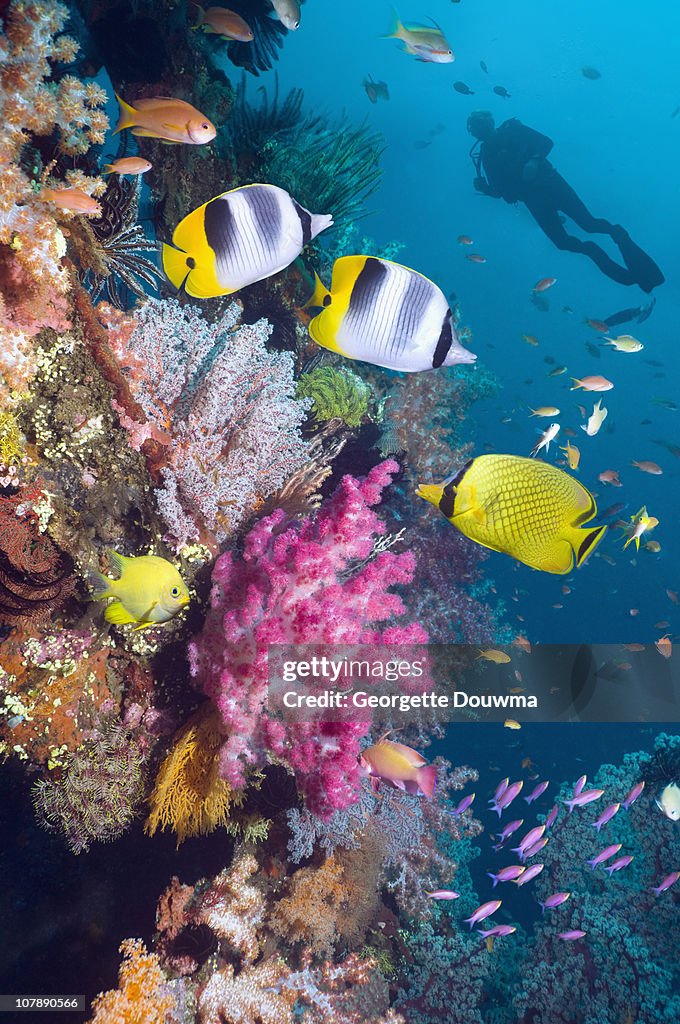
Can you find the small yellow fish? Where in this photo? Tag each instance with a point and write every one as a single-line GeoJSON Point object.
{"type": "Point", "coordinates": [625, 343]}
{"type": "Point", "coordinates": [641, 522]}
{"type": "Point", "coordinates": [498, 657]}
{"type": "Point", "coordinates": [510, 723]}
{"type": "Point", "coordinates": [149, 590]}
{"type": "Point", "coordinates": [545, 410]}
{"type": "Point", "coordinates": [573, 455]}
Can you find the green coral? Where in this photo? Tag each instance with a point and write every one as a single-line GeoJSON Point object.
{"type": "Point", "coordinates": [11, 440]}
{"type": "Point", "coordinates": [335, 394]}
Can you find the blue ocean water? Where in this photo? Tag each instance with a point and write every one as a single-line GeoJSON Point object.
{"type": "Point", "coordinates": [616, 142]}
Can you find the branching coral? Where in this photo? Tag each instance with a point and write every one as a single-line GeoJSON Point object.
{"type": "Point", "coordinates": [287, 589]}
{"type": "Point", "coordinates": [33, 280]}
{"type": "Point", "coordinates": [142, 996]}
{"type": "Point", "coordinates": [220, 404]}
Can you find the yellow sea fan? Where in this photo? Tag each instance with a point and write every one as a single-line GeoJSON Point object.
{"type": "Point", "coordinates": [189, 796]}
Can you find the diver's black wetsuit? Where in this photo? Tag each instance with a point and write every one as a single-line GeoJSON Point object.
{"type": "Point", "coordinates": [512, 164]}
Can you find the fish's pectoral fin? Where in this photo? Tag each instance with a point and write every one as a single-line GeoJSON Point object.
{"type": "Point", "coordinates": [117, 614]}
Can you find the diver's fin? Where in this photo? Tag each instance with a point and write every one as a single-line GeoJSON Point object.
{"type": "Point", "coordinates": [128, 115]}
{"type": "Point", "coordinates": [118, 615]}
{"type": "Point", "coordinates": [320, 297]}
{"type": "Point", "coordinates": [647, 273]}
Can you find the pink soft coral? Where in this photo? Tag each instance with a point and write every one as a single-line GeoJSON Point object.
{"type": "Point", "coordinates": [300, 584]}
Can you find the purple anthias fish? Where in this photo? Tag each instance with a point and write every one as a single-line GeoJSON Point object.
{"type": "Point", "coordinates": [586, 796]}
{"type": "Point", "coordinates": [509, 829]}
{"type": "Point", "coordinates": [668, 881]}
{"type": "Point", "coordinates": [580, 783]}
{"type": "Point", "coordinates": [556, 900]}
{"type": "Point", "coordinates": [500, 789]}
{"type": "Point", "coordinates": [607, 815]}
{"type": "Point", "coordinates": [506, 797]}
{"type": "Point", "coordinates": [633, 795]}
{"type": "Point", "coordinates": [532, 850]}
{"type": "Point", "coordinates": [463, 805]}
{"type": "Point", "coordinates": [500, 929]}
{"type": "Point", "coordinates": [442, 894]}
{"type": "Point", "coordinates": [529, 874]}
{"type": "Point", "coordinates": [552, 816]}
{"type": "Point", "coordinates": [507, 874]}
{"type": "Point", "coordinates": [537, 791]}
{"type": "Point", "coordinates": [573, 935]}
{"type": "Point", "coordinates": [532, 836]}
{"type": "Point", "coordinates": [486, 910]}
{"type": "Point", "coordinates": [620, 862]}
{"type": "Point", "coordinates": [603, 855]}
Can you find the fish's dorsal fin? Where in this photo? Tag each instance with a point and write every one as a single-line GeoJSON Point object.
{"type": "Point", "coordinates": [117, 561]}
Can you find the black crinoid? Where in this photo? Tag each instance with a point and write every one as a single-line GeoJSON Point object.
{"type": "Point", "coordinates": [263, 52]}
{"type": "Point", "coordinates": [662, 767]}
{"type": "Point", "coordinates": [118, 268]}
{"type": "Point", "coordinates": [329, 166]}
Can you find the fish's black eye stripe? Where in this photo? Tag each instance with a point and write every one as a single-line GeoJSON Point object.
{"type": "Point", "coordinates": [219, 230]}
{"type": "Point", "coordinates": [444, 343]}
{"type": "Point", "coordinates": [447, 501]}
{"type": "Point", "coordinates": [306, 223]}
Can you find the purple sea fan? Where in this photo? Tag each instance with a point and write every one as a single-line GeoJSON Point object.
{"type": "Point", "coordinates": [223, 406]}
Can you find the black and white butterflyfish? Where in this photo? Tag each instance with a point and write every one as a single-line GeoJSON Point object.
{"type": "Point", "coordinates": [386, 314]}
{"type": "Point", "coordinates": [237, 238]}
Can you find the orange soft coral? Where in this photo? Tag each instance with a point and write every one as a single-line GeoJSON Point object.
{"type": "Point", "coordinates": [141, 997]}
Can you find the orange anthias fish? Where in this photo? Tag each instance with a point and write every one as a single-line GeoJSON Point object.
{"type": "Point", "coordinates": [72, 199]}
{"type": "Point", "coordinates": [523, 644]}
{"type": "Point", "coordinates": [128, 165]}
{"type": "Point", "coordinates": [400, 766]}
{"type": "Point", "coordinates": [647, 467]}
{"type": "Point", "coordinates": [465, 240]}
{"type": "Point", "coordinates": [544, 284]}
{"type": "Point", "coordinates": [664, 646]}
{"type": "Point", "coordinates": [610, 476]}
{"type": "Point", "coordinates": [474, 257]}
{"type": "Point", "coordinates": [598, 325]}
{"type": "Point", "coordinates": [594, 383]}
{"type": "Point", "coordinates": [220, 21]}
{"type": "Point", "coordinates": [166, 118]}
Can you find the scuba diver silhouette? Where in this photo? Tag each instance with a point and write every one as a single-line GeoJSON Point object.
{"type": "Point", "coordinates": [511, 163]}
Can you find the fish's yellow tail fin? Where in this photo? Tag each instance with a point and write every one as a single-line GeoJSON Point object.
{"type": "Point", "coordinates": [630, 539]}
{"type": "Point", "coordinates": [397, 27]}
{"type": "Point", "coordinates": [127, 117]}
{"type": "Point", "coordinates": [200, 16]}
{"type": "Point", "coordinates": [175, 265]}
{"type": "Point", "coordinates": [320, 296]}
{"type": "Point", "coordinates": [584, 540]}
